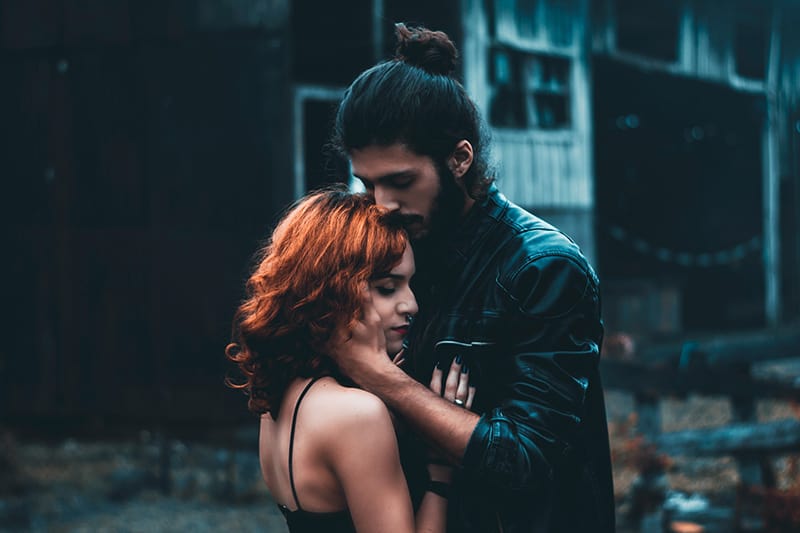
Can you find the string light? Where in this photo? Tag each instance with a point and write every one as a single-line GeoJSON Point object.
{"type": "Point", "coordinates": [728, 256]}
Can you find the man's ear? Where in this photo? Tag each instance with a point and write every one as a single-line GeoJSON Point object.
{"type": "Point", "coordinates": [460, 159]}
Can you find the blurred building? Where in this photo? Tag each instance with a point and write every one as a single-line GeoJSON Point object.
{"type": "Point", "coordinates": [148, 146]}
{"type": "Point", "coordinates": [662, 135]}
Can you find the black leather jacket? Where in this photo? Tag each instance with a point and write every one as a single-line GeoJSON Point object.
{"type": "Point", "coordinates": [516, 298]}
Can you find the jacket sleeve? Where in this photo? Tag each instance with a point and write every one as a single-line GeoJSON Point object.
{"type": "Point", "coordinates": [553, 335]}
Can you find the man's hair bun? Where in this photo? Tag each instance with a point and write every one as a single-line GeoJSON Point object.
{"type": "Point", "coordinates": [432, 51]}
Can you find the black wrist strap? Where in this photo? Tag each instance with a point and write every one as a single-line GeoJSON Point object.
{"type": "Point", "coordinates": [440, 488]}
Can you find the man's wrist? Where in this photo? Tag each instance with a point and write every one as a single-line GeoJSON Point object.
{"type": "Point", "coordinates": [381, 378]}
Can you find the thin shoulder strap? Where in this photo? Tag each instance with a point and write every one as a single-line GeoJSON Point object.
{"type": "Point", "coordinates": [291, 439]}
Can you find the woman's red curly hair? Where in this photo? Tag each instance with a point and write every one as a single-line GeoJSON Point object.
{"type": "Point", "coordinates": [307, 283]}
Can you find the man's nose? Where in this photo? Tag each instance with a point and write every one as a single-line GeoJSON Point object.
{"type": "Point", "coordinates": [385, 198]}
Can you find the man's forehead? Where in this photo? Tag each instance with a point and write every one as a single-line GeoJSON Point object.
{"type": "Point", "coordinates": [375, 161]}
{"type": "Point", "coordinates": [387, 177]}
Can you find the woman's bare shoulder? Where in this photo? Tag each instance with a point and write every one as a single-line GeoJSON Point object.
{"type": "Point", "coordinates": [353, 430]}
{"type": "Point", "coordinates": [341, 404]}
{"type": "Point", "coordinates": [344, 412]}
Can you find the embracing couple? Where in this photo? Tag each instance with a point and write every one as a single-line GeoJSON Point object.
{"type": "Point", "coordinates": [472, 403]}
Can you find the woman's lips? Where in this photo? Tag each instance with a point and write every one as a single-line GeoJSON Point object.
{"type": "Point", "coordinates": [402, 330]}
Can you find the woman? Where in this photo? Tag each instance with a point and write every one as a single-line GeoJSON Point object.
{"type": "Point", "coordinates": [328, 451]}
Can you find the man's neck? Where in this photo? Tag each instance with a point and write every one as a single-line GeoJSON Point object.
{"type": "Point", "coordinates": [468, 203]}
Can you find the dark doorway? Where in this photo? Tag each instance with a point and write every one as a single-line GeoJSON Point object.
{"type": "Point", "coordinates": [678, 169]}
{"type": "Point", "coordinates": [331, 43]}
{"type": "Point", "coordinates": [321, 167]}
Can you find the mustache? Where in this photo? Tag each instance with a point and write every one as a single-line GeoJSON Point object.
{"type": "Point", "coordinates": [404, 220]}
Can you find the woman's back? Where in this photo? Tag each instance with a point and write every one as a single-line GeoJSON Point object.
{"type": "Point", "coordinates": [343, 456]}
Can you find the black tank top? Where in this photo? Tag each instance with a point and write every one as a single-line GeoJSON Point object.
{"type": "Point", "coordinates": [301, 521]}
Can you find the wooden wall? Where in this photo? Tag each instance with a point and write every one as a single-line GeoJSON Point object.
{"type": "Point", "coordinates": [143, 154]}
{"type": "Point", "coordinates": [746, 47]}
{"type": "Point", "coordinates": [536, 167]}
{"type": "Point", "coordinates": [546, 169]}
{"type": "Point", "coordinates": [146, 147]}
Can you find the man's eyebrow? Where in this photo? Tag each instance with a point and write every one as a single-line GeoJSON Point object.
{"type": "Point", "coordinates": [389, 177]}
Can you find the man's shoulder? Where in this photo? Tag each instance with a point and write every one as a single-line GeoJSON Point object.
{"type": "Point", "coordinates": [525, 238]}
{"type": "Point", "coordinates": [540, 267]}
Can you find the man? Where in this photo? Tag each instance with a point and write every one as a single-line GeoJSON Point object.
{"type": "Point", "coordinates": [501, 292]}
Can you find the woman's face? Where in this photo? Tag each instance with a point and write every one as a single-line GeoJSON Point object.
{"type": "Point", "coordinates": [394, 301]}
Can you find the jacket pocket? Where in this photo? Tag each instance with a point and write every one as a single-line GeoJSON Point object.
{"type": "Point", "coordinates": [475, 339]}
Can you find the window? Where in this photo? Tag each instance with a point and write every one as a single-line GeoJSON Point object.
{"type": "Point", "coordinates": [529, 90]}
{"type": "Point", "coordinates": [550, 22]}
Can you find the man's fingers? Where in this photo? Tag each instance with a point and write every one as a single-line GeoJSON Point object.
{"type": "Point", "coordinates": [398, 359]}
{"type": "Point", "coordinates": [369, 315]}
{"type": "Point", "coordinates": [367, 329]}
{"type": "Point", "coordinates": [366, 294]}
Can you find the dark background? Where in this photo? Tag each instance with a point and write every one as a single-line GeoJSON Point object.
{"type": "Point", "coordinates": [143, 155]}
{"type": "Point", "coordinates": [148, 147]}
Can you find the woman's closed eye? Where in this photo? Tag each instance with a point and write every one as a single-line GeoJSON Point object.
{"type": "Point", "coordinates": [385, 290]}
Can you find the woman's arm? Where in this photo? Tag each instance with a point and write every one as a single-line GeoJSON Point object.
{"type": "Point", "coordinates": [432, 513]}
{"type": "Point", "coordinates": [454, 388]}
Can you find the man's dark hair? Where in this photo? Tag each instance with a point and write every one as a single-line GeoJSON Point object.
{"type": "Point", "coordinates": [414, 99]}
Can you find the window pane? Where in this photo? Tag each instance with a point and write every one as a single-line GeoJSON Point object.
{"type": "Point", "coordinates": [501, 63]}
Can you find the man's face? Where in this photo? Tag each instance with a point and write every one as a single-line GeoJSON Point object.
{"type": "Point", "coordinates": [402, 181]}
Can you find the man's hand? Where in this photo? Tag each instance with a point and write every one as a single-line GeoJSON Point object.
{"type": "Point", "coordinates": [362, 351]}
{"type": "Point", "coordinates": [400, 358]}
{"type": "Point", "coordinates": [361, 356]}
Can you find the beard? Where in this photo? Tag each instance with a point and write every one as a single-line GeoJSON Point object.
{"type": "Point", "coordinates": [446, 211]}
{"type": "Point", "coordinates": [429, 238]}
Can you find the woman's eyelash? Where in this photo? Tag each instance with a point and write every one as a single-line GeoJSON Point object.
{"type": "Point", "coordinates": [385, 291]}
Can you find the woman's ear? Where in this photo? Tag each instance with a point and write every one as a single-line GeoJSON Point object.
{"type": "Point", "coordinates": [460, 159]}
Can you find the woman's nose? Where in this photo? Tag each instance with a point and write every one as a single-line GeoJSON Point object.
{"type": "Point", "coordinates": [408, 306]}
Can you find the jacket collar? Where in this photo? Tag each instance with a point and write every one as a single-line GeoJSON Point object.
{"type": "Point", "coordinates": [477, 223]}
{"type": "Point", "coordinates": [451, 251]}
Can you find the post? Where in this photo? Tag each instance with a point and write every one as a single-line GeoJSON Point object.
{"type": "Point", "coordinates": [771, 133]}
{"type": "Point", "coordinates": [753, 469]}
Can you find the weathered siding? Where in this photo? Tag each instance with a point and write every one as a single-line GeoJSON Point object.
{"type": "Point", "coordinates": [543, 169]}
